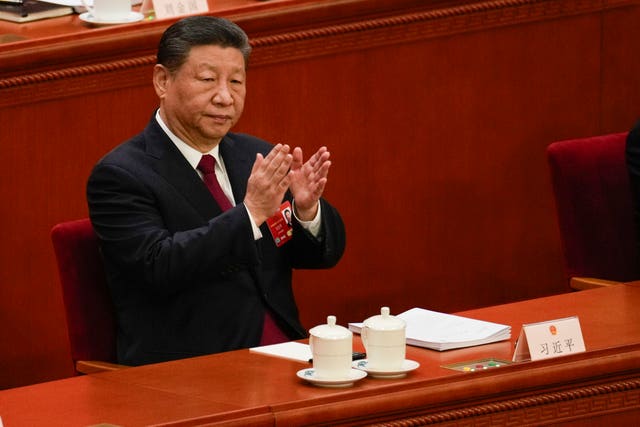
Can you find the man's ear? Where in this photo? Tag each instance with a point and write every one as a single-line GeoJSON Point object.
{"type": "Point", "coordinates": [161, 77]}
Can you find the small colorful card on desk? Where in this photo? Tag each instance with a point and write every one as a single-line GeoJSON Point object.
{"type": "Point", "coordinates": [477, 365]}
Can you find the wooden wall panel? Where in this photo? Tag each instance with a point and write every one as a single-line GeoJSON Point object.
{"type": "Point", "coordinates": [48, 149]}
{"type": "Point", "coordinates": [620, 82]}
{"type": "Point", "coordinates": [437, 120]}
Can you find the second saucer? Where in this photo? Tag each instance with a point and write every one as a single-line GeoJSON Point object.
{"type": "Point", "coordinates": [407, 366]}
{"type": "Point", "coordinates": [310, 375]}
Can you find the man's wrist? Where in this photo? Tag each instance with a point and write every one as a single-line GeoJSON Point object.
{"type": "Point", "coordinates": [257, 234]}
{"type": "Point", "coordinates": [306, 214]}
{"type": "Point", "coordinates": [313, 225]}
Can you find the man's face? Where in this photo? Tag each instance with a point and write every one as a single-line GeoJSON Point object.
{"type": "Point", "coordinates": [204, 98]}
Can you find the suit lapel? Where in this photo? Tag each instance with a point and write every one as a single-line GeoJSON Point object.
{"type": "Point", "coordinates": [173, 167]}
{"type": "Point", "coordinates": [238, 164]}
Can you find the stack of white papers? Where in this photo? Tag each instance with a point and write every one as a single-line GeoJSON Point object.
{"type": "Point", "coordinates": [441, 331]}
{"type": "Point", "coordinates": [81, 3]}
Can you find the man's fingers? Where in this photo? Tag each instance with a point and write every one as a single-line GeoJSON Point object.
{"type": "Point", "coordinates": [297, 159]}
{"type": "Point", "coordinates": [277, 162]}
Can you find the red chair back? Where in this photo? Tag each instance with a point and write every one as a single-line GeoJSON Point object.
{"type": "Point", "coordinates": [88, 306]}
{"type": "Point", "coordinates": [594, 207]}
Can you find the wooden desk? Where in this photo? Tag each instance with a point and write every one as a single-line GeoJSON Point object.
{"type": "Point", "coordinates": [87, 400]}
{"type": "Point", "coordinates": [242, 387]}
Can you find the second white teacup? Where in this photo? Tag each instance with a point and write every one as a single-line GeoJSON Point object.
{"type": "Point", "coordinates": [331, 347]}
{"type": "Point", "coordinates": [384, 339]}
{"type": "Point", "coordinates": [109, 10]}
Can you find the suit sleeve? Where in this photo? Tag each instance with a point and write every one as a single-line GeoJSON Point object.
{"type": "Point", "coordinates": [324, 251]}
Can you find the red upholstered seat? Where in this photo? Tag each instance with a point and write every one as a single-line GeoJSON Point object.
{"type": "Point", "coordinates": [90, 316]}
{"type": "Point", "coordinates": [594, 207]}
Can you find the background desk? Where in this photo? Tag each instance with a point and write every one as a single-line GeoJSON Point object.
{"type": "Point", "coordinates": [243, 388]}
{"type": "Point", "coordinates": [437, 114]}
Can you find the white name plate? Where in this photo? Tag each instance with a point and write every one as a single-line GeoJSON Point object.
{"type": "Point", "coordinates": [171, 8]}
{"type": "Point", "coordinates": [553, 338]}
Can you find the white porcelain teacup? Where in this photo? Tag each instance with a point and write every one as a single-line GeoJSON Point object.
{"type": "Point", "coordinates": [384, 339]}
{"type": "Point", "coordinates": [331, 347]}
{"type": "Point", "coordinates": [108, 10]}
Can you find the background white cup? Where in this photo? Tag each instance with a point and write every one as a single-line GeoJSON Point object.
{"type": "Point", "coordinates": [109, 10]}
{"type": "Point", "coordinates": [331, 347]}
{"type": "Point", "coordinates": [384, 339]}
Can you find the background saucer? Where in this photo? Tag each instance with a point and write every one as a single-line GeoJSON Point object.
{"type": "Point", "coordinates": [131, 17]}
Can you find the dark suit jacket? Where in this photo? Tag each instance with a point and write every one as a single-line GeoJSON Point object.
{"type": "Point", "coordinates": [187, 279]}
{"type": "Point", "coordinates": [632, 153]}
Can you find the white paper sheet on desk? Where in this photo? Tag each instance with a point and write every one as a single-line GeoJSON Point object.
{"type": "Point", "coordinates": [441, 331]}
{"type": "Point", "coordinates": [289, 350]}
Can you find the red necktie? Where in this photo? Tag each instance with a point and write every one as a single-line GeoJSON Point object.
{"type": "Point", "coordinates": [271, 333]}
{"type": "Point", "coordinates": [207, 167]}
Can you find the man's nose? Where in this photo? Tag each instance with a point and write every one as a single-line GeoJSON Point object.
{"type": "Point", "coordinates": [223, 95]}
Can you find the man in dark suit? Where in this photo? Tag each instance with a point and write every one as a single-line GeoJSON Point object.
{"type": "Point", "coordinates": [190, 274]}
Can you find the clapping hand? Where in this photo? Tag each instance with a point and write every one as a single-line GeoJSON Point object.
{"type": "Point", "coordinates": [268, 182]}
{"type": "Point", "coordinates": [307, 181]}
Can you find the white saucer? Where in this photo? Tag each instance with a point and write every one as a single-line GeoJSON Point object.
{"type": "Point", "coordinates": [407, 366]}
{"type": "Point", "coordinates": [309, 375]}
{"type": "Point", "coordinates": [131, 17]}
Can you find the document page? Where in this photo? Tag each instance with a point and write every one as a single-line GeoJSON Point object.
{"type": "Point", "coordinates": [289, 350]}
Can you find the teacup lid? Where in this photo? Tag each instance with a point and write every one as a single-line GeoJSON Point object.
{"type": "Point", "coordinates": [385, 321]}
{"type": "Point", "coordinates": [331, 330]}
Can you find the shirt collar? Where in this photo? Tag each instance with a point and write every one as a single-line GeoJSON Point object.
{"type": "Point", "coordinates": [192, 155]}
